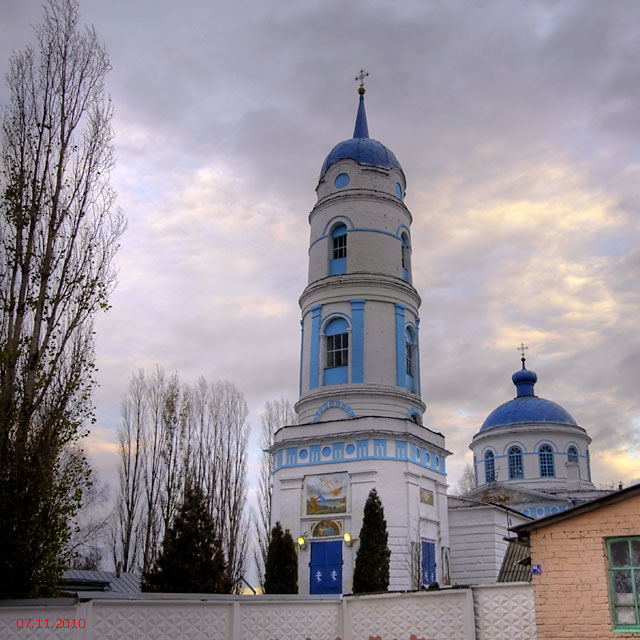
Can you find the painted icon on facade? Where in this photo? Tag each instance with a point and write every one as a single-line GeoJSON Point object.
{"type": "Point", "coordinates": [326, 494]}
{"type": "Point", "coordinates": [326, 529]}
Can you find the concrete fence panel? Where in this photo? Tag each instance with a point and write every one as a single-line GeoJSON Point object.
{"type": "Point", "coordinates": [493, 612]}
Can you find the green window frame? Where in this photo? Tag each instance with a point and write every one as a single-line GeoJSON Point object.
{"type": "Point", "coordinates": [623, 555]}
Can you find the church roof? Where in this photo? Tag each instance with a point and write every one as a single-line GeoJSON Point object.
{"type": "Point", "coordinates": [361, 148]}
{"type": "Point", "coordinates": [526, 407]}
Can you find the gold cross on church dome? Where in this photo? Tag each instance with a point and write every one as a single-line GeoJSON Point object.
{"type": "Point", "coordinates": [522, 348]}
{"type": "Point", "coordinates": [360, 78]}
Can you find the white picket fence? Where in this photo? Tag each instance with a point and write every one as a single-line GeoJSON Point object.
{"type": "Point", "coordinates": [494, 612]}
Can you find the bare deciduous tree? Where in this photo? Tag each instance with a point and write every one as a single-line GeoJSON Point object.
{"type": "Point", "coordinates": [194, 435]}
{"type": "Point", "coordinates": [276, 414]}
{"type": "Point", "coordinates": [467, 481]}
{"type": "Point", "coordinates": [59, 230]}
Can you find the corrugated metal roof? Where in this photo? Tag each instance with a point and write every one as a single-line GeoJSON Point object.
{"type": "Point", "coordinates": [515, 567]}
{"type": "Point", "coordinates": [83, 580]}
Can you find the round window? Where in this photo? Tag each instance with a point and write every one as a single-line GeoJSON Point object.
{"type": "Point", "coordinates": [326, 451]}
{"type": "Point", "coordinates": [303, 454]}
{"type": "Point", "coordinates": [341, 181]}
{"type": "Point", "coordinates": [350, 449]}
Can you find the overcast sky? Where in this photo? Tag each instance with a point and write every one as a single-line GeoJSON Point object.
{"type": "Point", "coordinates": [517, 125]}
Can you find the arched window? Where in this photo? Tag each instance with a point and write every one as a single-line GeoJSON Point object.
{"type": "Point", "coordinates": [410, 364]}
{"type": "Point", "coordinates": [338, 250]}
{"type": "Point", "coordinates": [547, 467]}
{"type": "Point", "coordinates": [572, 454]}
{"type": "Point", "coordinates": [489, 467]}
{"type": "Point", "coordinates": [406, 257]}
{"type": "Point", "coordinates": [516, 469]}
{"type": "Point", "coordinates": [337, 352]}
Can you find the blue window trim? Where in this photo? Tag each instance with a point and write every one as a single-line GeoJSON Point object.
{"type": "Point", "coordinates": [338, 264]}
{"type": "Point", "coordinates": [572, 456]}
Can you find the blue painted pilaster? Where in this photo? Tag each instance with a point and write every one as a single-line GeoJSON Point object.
{"type": "Point", "coordinates": [301, 351]}
{"type": "Point", "coordinates": [418, 388]}
{"type": "Point", "coordinates": [400, 347]}
{"type": "Point", "coordinates": [314, 356]}
{"type": "Point", "coordinates": [357, 340]}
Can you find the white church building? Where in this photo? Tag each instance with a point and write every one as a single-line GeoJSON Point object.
{"type": "Point", "coordinates": [361, 413]}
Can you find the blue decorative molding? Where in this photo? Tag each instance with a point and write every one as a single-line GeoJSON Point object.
{"type": "Point", "coordinates": [354, 230]}
{"type": "Point", "coordinates": [316, 317]}
{"type": "Point", "coordinates": [357, 340]}
{"type": "Point", "coordinates": [400, 348]}
{"type": "Point", "coordinates": [334, 403]}
{"type": "Point", "coordinates": [342, 218]}
{"type": "Point", "coordinates": [381, 449]}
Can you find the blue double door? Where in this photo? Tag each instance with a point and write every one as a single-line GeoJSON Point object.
{"type": "Point", "coordinates": [325, 568]}
{"type": "Point", "coordinates": [428, 563]}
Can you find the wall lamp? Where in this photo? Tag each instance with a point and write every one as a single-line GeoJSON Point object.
{"type": "Point", "coordinates": [347, 539]}
{"type": "Point", "coordinates": [302, 541]}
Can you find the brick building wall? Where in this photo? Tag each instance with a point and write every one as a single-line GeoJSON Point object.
{"type": "Point", "coordinates": [572, 591]}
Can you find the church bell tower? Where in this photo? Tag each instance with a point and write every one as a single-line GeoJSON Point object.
{"type": "Point", "coordinates": [360, 408]}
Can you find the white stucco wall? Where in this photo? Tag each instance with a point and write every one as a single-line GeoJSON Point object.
{"type": "Point", "coordinates": [477, 535]}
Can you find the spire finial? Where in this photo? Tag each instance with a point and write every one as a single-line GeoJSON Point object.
{"type": "Point", "coordinates": [522, 348]}
{"type": "Point", "coordinates": [360, 78]}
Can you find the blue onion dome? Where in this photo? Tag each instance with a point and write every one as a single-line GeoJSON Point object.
{"type": "Point", "coordinates": [361, 148]}
{"type": "Point", "coordinates": [526, 407]}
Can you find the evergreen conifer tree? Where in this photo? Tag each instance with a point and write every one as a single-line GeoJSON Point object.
{"type": "Point", "coordinates": [371, 572]}
{"type": "Point", "coordinates": [191, 560]}
{"type": "Point", "coordinates": [281, 571]}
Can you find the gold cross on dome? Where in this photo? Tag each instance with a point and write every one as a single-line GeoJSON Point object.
{"type": "Point", "coordinates": [522, 349]}
{"type": "Point", "coordinates": [361, 76]}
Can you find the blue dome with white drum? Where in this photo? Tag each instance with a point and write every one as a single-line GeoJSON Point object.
{"type": "Point", "coordinates": [361, 148]}
{"type": "Point", "coordinates": [526, 407]}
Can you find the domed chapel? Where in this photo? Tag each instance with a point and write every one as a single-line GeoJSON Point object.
{"type": "Point", "coordinates": [361, 412]}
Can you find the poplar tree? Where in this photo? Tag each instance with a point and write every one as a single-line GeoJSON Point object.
{"type": "Point", "coordinates": [371, 572]}
{"type": "Point", "coordinates": [281, 572]}
{"type": "Point", "coordinates": [59, 230]}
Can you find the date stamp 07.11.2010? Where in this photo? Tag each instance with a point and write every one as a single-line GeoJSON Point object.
{"type": "Point", "coordinates": [55, 623]}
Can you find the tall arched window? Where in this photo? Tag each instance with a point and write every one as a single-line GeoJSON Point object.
{"type": "Point", "coordinates": [489, 467]}
{"type": "Point", "coordinates": [338, 250]}
{"type": "Point", "coordinates": [410, 363]}
{"type": "Point", "coordinates": [337, 352]}
{"type": "Point", "coordinates": [547, 467]}
{"type": "Point", "coordinates": [516, 469]}
{"type": "Point", "coordinates": [406, 257]}
{"type": "Point", "coordinates": [572, 454]}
